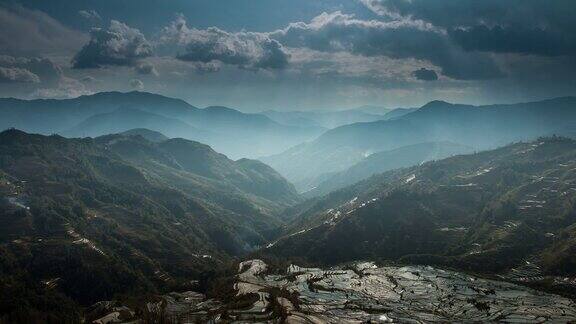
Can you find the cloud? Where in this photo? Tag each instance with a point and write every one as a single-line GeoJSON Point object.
{"type": "Point", "coordinates": [118, 45]}
{"type": "Point", "coordinates": [40, 77]}
{"type": "Point", "coordinates": [520, 40]}
{"type": "Point", "coordinates": [146, 68]}
{"type": "Point", "coordinates": [343, 32]}
{"type": "Point", "coordinates": [18, 75]}
{"type": "Point", "coordinates": [425, 75]}
{"type": "Point", "coordinates": [136, 84]}
{"type": "Point", "coordinates": [535, 27]}
{"type": "Point", "coordinates": [401, 39]}
{"type": "Point", "coordinates": [32, 32]}
{"type": "Point", "coordinates": [90, 15]}
{"type": "Point", "coordinates": [205, 68]}
{"type": "Point", "coordinates": [243, 49]}
{"type": "Point", "coordinates": [379, 7]}
{"type": "Point", "coordinates": [44, 69]}
{"type": "Point", "coordinates": [64, 89]}
{"type": "Point", "coordinates": [89, 79]}
{"type": "Point", "coordinates": [448, 13]}
{"type": "Point", "coordinates": [344, 67]}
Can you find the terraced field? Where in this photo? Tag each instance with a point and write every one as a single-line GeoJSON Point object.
{"type": "Point", "coordinates": [363, 292]}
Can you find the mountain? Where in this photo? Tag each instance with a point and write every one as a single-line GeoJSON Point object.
{"type": "Point", "coordinates": [384, 161]}
{"type": "Point", "coordinates": [201, 171]}
{"type": "Point", "coordinates": [342, 147]}
{"type": "Point", "coordinates": [324, 119]}
{"type": "Point", "coordinates": [292, 118]}
{"type": "Point", "coordinates": [249, 176]}
{"type": "Point", "coordinates": [333, 119]}
{"type": "Point", "coordinates": [228, 130]}
{"type": "Point", "coordinates": [124, 119]}
{"type": "Point", "coordinates": [83, 220]}
{"type": "Point", "coordinates": [374, 110]}
{"type": "Point", "coordinates": [149, 135]}
{"type": "Point", "coordinates": [479, 127]}
{"type": "Point", "coordinates": [509, 211]}
{"type": "Point", "coordinates": [399, 112]}
{"type": "Point", "coordinates": [47, 116]}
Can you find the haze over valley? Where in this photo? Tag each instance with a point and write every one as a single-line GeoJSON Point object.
{"type": "Point", "coordinates": [366, 161]}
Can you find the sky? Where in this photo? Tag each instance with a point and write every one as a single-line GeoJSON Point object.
{"type": "Point", "coordinates": [256, 55]}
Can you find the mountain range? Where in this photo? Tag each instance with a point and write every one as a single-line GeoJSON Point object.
{"type": "Point", "coordinates": [228, 130]}
{"type": "Point", "coordinates": [498, 211]}
{"type": "Point", "coordinates": [477, 127]}
{"type": "Point", "coordinates": [333, 119]}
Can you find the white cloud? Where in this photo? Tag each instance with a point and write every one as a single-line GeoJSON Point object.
{"type": "Point", "coordinates": [243, 49]}
{"type": "Point", "coordinates": [136, 84]}
{"type": "Point", "coordinates": [90, 15]}
{"type": "Point", "coordinates": [65, 88]}
{"type": "Point", "coordinates": [119, 44]}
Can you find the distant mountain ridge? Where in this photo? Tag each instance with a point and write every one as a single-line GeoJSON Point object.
{"type": "Point", "coordinates": [480, 127]}
{"type": "Point", "coordinates": [333, 119]}
{"type": "Point", "coordinates": [226, 129]}
{"type": "Point", "coordinates": [372, 109]}
{"type": "Point", "coordinates": [380, 162]}
{"type": "Point", "coordinates": [125, 119]}
{"type": "Point", "coordinates": [324, 119]}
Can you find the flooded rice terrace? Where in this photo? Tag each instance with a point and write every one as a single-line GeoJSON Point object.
{"type": "Point", "coordinates": [363, 292]}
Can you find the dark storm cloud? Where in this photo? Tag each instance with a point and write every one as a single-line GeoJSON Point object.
{"type": "Point", "coordinates": [425, 75]}
{"type": "Point", "coordinates": [396, 39]}
{"type": "Point", "coordinates": [519, 40]}
{"type": "Point", "coordinates": [243, 49]}
{"type": "Point", "coordinates": [514, 48]}
{"type": "Point", "coordinates": [117, 45]}
{"type": "Point", "coordinates": [556, 14]}
{"type": "Point", "coordinates": [536, 27]}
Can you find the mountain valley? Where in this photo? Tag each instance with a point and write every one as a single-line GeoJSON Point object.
{"type": "Point", "coordinates": [174, 231]}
